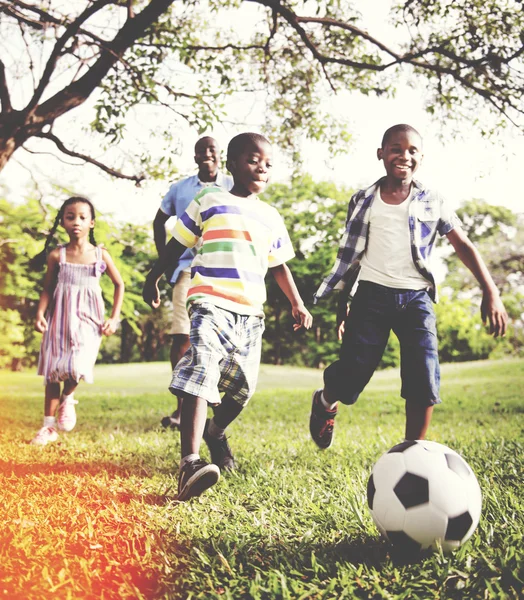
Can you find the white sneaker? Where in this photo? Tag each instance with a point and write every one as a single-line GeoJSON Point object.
{"type": "Point", "coordinates": [44, 436]}
{"type": "Point", "coordinates": [67, 415]}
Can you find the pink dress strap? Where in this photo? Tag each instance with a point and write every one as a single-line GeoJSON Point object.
{"type": "Point", "coordinates": [62, 254]}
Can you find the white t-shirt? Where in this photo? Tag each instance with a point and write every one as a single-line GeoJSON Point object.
{"type": "Point", "coordinates": [387, 260]}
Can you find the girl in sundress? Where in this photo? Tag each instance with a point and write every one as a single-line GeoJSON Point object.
{"type": "Point", "coordinates": [70, 314]}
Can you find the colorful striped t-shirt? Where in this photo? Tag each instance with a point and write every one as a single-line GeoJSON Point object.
{"type": "Point", "coordinates": [240, 239]}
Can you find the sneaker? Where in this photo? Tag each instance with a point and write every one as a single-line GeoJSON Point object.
{"type": "Point", "coordinates": [196, 477]}
{"type": "Point", "coordinates": [220, 451]}
{"type": "Point", "coordinates": [321, 422]}
{"type": "Point", "coordinates": [44, 436]}
{"type": "Point", "coordinates": [67, 415]}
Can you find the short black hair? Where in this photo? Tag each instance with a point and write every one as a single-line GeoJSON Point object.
{"type": "Point", "coordinates": [241, 141]}
{"type": "Point", "coordinates": [400, 127]}
{"type": "Point", "coordinates": [205, 137]}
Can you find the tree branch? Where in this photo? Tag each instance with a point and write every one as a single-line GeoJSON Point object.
{"type": "Point", "coordinates": [70, 31]}
{"type": "Point", "coordinates": [5, 98]}
{"type": "Point", "coordinates": [77, 92]}
{"type": "Point", "coordinates": [59, 144]}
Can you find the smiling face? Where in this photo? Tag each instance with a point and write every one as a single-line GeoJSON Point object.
{"type": "Point", "coordinates": [207, 157]}
{"type": "Point", "coordinates": [78, 220]}
{"type": "Point", "coordinates": [402, 155]}
{"type": "Point", "coordinates": [251, 169]}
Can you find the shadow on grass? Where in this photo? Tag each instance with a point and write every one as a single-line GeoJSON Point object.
{"type": "Point", "coordinates": [85, 470]}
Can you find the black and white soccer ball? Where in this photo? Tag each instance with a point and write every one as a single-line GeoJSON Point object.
{"type": "Point", "coordinates": [422, 494]}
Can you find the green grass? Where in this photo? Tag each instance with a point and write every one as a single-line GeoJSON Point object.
{"type": "Point", "coordinates": [95, 515]}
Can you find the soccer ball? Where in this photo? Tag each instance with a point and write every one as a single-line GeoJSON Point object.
{"type": "Point", "coordinates": [423, 494]}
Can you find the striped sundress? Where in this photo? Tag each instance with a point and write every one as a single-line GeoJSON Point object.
{"type": "Point", "coordinates": [74, 322]}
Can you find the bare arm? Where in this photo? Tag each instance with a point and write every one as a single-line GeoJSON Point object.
{"type": "Point", "coordinates": [159, 231]}
{"type": "Point", "coordinates": [173, 251]}
{"type": "Point", "coordinates": [110, 325]}
{"type": "Point", "coordinates": [286, 283]}
{"type": "Point", "coordinates": [491, 309]}
{"type": "Point", "coordinates": [47, 293]}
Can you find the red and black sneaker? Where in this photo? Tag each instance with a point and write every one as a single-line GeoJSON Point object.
{"type": "Point", "coordinates": [321, 422]}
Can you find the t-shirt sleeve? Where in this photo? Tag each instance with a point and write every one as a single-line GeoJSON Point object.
{"type": "Point", "coordinates": [188, 228]}
{"type": "Point", "coordinates": [281, 247]}
{"type": "Point", "coordinates": [168, 206]}
{"type": "Point", "coordinates": [448, 217]}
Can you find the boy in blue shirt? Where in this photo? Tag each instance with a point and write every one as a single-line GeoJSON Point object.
{"type": "Point", "coordinates": [174, 204]}
{"type": "Point", "coordinates": [391, 229]}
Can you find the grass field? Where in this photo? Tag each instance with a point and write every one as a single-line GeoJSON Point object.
{"type": "Point", "coordinates": [95, 515]}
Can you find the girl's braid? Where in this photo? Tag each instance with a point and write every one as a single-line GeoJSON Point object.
{"type": "Point", "coordinates": [39, 261]}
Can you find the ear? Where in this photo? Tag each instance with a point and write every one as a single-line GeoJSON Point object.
{"type": "Point", "coordinates": [92, 226]}
{"type": "Point", "coordinates": [380, 154]}
{"type": "Point", "coordinates": [231, 165]}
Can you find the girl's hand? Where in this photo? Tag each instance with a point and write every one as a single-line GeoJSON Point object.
{"type": "Point", "coordinates": [302, 317]}
{"type": "Point", "coordinates": [40, 323]}
{"type": "Point", "coordinates": [109, 327]}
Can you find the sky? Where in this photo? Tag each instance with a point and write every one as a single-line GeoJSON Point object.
{"type": "Point", "coordinates": [462, 168]}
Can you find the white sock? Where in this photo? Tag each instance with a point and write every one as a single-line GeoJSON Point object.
{"type": "Point", "coordinates": [215, 431]}
{"type": "Point", "coordinates": [50, 422]}
{"type": "Point", "coordinates": [326, 404]}
{"type": "Point", "coordinates": [188, 458]}
{"type": "Point", "coordinates": [67, 397]}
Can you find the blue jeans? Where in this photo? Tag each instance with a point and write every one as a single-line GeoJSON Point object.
{"type": "Point", "coordinates": [375, 311]}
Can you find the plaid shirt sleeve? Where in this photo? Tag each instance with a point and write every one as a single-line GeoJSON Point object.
{"type": "Point", "coordinates": [352, 245]}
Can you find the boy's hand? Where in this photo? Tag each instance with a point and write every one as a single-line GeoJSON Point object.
{"type": "Point", "coordinates": [302, 317]}
{"type": "Point", "coordinates": [342, 313]}
{"type": "Point", "coordinates": [40, 323]}
{"type": "Point", "coordinates": [492, 310]}
{"type": "Point", "coordinates": [150, 293]}
{"type": "Point", "coordinates": [110, 326]}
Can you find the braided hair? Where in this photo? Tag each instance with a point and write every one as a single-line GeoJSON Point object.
{"type": "Point", "coordinates": [38, 262]}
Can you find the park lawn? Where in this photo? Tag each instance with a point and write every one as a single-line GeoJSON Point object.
{"type": "Point", "coordinates": [95, 515]}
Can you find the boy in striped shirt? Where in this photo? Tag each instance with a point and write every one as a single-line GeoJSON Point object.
{"type": "Point", "coordinates": [240, 237]}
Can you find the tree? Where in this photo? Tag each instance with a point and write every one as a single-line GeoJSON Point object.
{"type": "Point", "coordinates": [498, 234]}
{"type": "Point", "coordinates": [173, 55]}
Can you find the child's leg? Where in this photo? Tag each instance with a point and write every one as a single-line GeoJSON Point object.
{"type": "Point", "coordinates": [52, 399]}
{"type": "Point", "coordinates": [196, 475]}
{"type": "Point", "coordinates": [70, 386]}
{"type": "Point", "coordinates": [66, 410]}
{"type": "Point", "coordinates": [226, 412]}
{"type": "Point", "coordinates": [48, 432]}
{"type": "Point", "coordinates": [192, 422]}
{"type": "Point", "coordinates": [365, 338]}
{"type": "Point", "coordinates": [418, 418]}
{"type": "Point", "coordinates": [419, 364]}
{"type": "Point", "coordinates": [215, 432]}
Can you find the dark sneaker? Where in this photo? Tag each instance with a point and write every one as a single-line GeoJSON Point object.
{"type": "Point", "coordinates": [196, 477]}
{"type": "Point", "coordinates": [321, 422]}
{"type": "Point", "coordinates": [220, 451]}
{"type": "Point", "coordinates": [171, 422]}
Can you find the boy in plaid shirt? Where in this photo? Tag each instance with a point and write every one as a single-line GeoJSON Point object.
{"type": "Point", "coordinates": [242, 237]}
{"type": "Point", "coordinates": [391, 229]}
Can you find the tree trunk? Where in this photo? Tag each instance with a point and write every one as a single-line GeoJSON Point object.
{"type": "Point", "coordinates": [127, 338]}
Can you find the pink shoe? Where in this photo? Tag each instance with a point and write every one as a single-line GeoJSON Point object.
{"type": "Point", "coordinates": [67, 414]}
{"type": "Point", "coordinates": [44, 436]}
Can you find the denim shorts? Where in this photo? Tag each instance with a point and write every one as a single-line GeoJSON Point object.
{"type": "Point", "coordinates": [224, 355]}
{"type": "Point", "coordinates": [375, 311]}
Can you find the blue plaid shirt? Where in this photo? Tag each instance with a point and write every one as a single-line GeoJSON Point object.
{"type": "Point", "coordinates": [429, 214]}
